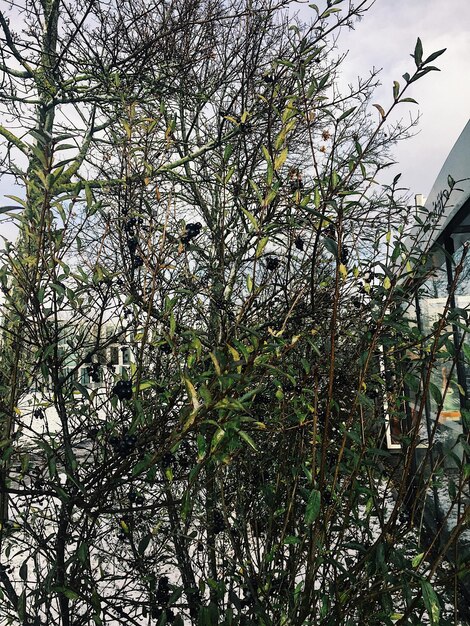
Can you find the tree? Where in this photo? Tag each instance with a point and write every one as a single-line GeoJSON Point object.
{"type": "Point", "coordinates": [199, 194]}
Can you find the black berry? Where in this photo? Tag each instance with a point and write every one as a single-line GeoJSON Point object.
{"type": "Point", "coordinates": [272, 263]}
{"type": "Point", "coordinates": [123, 390]}
{"type": "Point", "coordinates": [299, 243]}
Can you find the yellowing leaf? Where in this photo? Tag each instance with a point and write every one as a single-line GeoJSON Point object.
{"type": "Point", "coordinates": [234, 353]}
{"type": "Point", "coordinates": [124, 526]}
{"type": "Point", "coordinates": [192, 393]}
{"type": "Point", "coordinates": [295, 339]}
{"type": "Point", "coordinates": [280, 159]}
{"type": "Point", "coordinates": [380, 110]}
{"type": "Point", "coordinates": [251, 217]}
{"type": "Point", "coordinates": [261, 246]}
{"type": "Point", "coordinates": [216, 363]}
{"type": "Point", "coordinates": [343, 270]}
{"type": "Point", "coordinates": [387, 283]}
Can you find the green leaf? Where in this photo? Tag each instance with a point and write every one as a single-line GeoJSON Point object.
{"type": "Point", "coordinates": [313, 507]}
{"type": "Point", "coordinates": [417, 559]}
{"type": "Point", "coordinates": [201, 447]}
{"type": "Point", "coordinates": [418, 53]}
{"type": "Point", "coordinates": [82, 552]}
{"type": "Point", "coordinates": [143, 544]}
{"type": "Point", "coordinates": [21, 607]}
{"type": "Point", "coordinates": [290, 540]}
{"type": "Point", "coordinates": [331, 246]}
{"type": "Point", "coordinates": [435, 393]}
{"type": "Point", "coordinates": [431, 602]}
{"type": "Point", "coordinates": [248, 439]}
{"type": "Point", "coordinates": [41, 136]}
{"type": "Point", "coordinates": [24, 571]}
{"type": "Point", "coordinates": [88, 196]}
{"type": "Point", "coordinates": [346, 114]}
{"type": "Point", "coordinates": [434, 56]}
{"type": "Point", "coordinates": [261, 246]}
{"type": "Point", "coordinates": [227, 152]}
{"type": "Point", "coordinates": [19, 200]}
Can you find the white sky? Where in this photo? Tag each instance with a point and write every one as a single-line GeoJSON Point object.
{"type": "Point", "coordinates": [384, 39]}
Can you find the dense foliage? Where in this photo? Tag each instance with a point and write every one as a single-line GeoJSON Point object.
{"type": "Point", "coordinates": [197, 195]}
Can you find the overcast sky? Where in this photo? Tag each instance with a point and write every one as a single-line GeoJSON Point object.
{"type": "Point", "coordinates": [384, 39]}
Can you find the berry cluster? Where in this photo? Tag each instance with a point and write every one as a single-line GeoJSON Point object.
{"type": "Point", "coordinates": [299, 243]}
{"type": "Point", "coordinates": [39, 414]}
{"type": "Point", "coordinates": [123, 390]}
{"type": "Point", "coordinates": [192, 230]}
{"type": "Point", "coordinates": [163, 590]}
{"type": "Point", "coordinates": [131, 224]}
{"type": "Point", "coordinates": [124, 445]}
{"type": "Point", "coordinates": [272, 263]}
{"type": "Point", "coordinates": [218, 522]}
{"type": "Point", "coordinates": [170, 616]}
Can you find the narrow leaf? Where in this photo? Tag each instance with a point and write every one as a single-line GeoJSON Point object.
{"type": "Point", "coordinates": [313, 507]}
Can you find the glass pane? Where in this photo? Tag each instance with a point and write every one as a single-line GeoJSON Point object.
{"type": "Point", "coordinates": [114, 355]}
{"type": "Point", "coordinates": [444, 399]}
{"type": "Point", "coordinates": [126, 356]}
{"type": "Point", "coordinates": [84, 376]}
{"type": "Point", "coordinates": [449, 377]}
{"type": "Point", "coordinates": [462, 301]}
